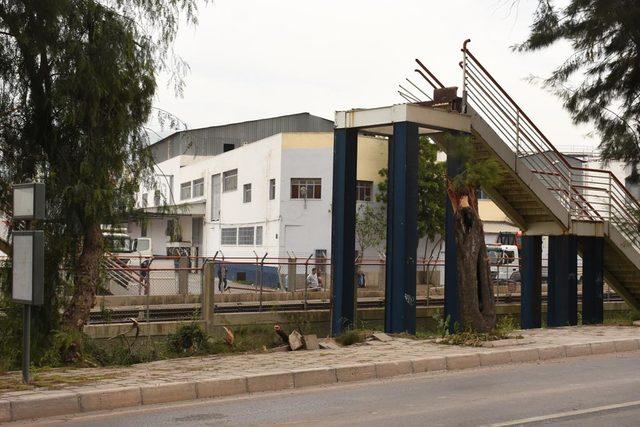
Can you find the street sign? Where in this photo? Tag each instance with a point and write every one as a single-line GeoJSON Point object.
{"type": "Point", "coordinates": [28, 201]}
{"type": "Point", "coordinates": [28, 267]}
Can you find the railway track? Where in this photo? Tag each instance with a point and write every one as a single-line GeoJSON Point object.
{"type": "Point", "coordinates": [161, 313]}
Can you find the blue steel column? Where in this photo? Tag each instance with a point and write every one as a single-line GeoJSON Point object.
{"type": "Point", "coordinates": [343, 237]}
{"type": "Point", "coordinates": [531, 285]}
{"type": "Point", "coordinates": [562, 289]}
{"type": "Point", "coordinates": [592, 279]}
{"type": "Point", "coordinates": [451, 308]}
{"type": "Point", "coordinates": [402, 230]}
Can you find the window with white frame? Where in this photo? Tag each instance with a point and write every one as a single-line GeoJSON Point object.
{"type": "Point", "coordinates": [245, 235]}
{"type": "Point", "coordinates": [364, 190]}
{"type": "Point", "coordinates": [145, 200]}
{"type": "Point", "coordinates": [230, 180]}
{"type": "Point", "coordinates": [198, 187]}
{"type": "Point", "coordinates": [272, 189]}
{"type": "Point", "coordinates": [259, 235]}
{"type": "Point", "coordinates": [306, 188]}
{"type": "Point", "coordinates": [246, 193]}
{"type": "Point", "coordinates": [157, 198]}
{"type": "Point", "coordinates": [229, 236]}
{"type": "Point", "coordinates": [185, 190]}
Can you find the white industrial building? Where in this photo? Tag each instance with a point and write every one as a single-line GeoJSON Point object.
{"type": "Point", "coordinates": [271, 195]}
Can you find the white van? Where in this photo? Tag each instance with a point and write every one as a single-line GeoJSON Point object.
{"type": "Point", "coordinates": [131, 251]}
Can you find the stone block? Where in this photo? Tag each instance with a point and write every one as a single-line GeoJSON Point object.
{"type": "Point", "coordinates": [552, 352]}
{"type": "Point", "coordinates": [99, 400]}
{"type": "Point", "coordinates": [381, 336]}
{"type": "Point", "coordinates": [270, 382]}
{"type": "Point", "coordinates": [295, 341]}
{"type": "Point", "coordinates": [626, 345]}
{"type": "Point", "coordinates": [5, 411]}
{"type": "Point", "coordinates": [168, 392]}
{"type": "Point", "coordinates": [436, 363]}
{"type": "Point", "coordinates": [311, 377]}
{"type": "Point", "coordinates": [219, 387]}
{"type": "Point", "coordinates": [462, 361]}
{"type": "Point", "coordinates": [495, 358]}
{"type": "Point", "coordinates": [393, 369]}
{"type": "Point", "coordinates": [355, 372]}
{"type": "Point", "coordinates": [311, 342]}
{"type": "Point", "coordinates": [603, 347]}
{"type": "Point", "coordinates": [522, 355]}
{"type": "Point", "coordinates": [576, 350]}
{"type": "Point", "coordinates": [45, 405]}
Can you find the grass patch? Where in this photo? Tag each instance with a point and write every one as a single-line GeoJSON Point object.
{"type": "Point", "coordinates": [504, 330]}
{"type": "Point", "coordinates": [621, 318]}
{"type": "Point", "coordinates": [350, 337]}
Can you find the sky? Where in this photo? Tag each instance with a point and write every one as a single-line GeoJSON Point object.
{"type": "Point", "coordinates": [252, 59]}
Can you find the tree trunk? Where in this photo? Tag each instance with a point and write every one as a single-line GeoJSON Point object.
{"type": "Point", "coordinates": [475, 288]}
{"type": "Point", "coordinates": [86, 278]}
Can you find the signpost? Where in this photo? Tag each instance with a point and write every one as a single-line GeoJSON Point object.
{"type": "Point", "coordinates": [28, 259]}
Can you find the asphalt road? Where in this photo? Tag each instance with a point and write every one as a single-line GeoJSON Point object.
{"type": "Point", "coordinates": [591, 391]}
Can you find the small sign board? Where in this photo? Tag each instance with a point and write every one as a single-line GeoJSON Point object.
{"type": "Point", "coordinates": [28, 267]}
{"type": "Point", "coordinates": [28, 201]}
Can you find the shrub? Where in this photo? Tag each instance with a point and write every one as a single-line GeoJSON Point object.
{"type": "Point", "coordinates": [350, 337]}
{"type": "Point", "coordinates": [189, 338]}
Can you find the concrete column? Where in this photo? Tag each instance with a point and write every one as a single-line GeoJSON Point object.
{"type": "Point", "coordinates": [402, 231]}
{"type": "Point", "coordinates": [531, 283]}
{"type": "Point", "coordinates": [562, 292]}
{"type": "Point", "coordinates": [455, 166]}
{"type": "Point", "coordinates": [292, 275]}
{"type": "Point", "coordinates": [343, 237]}
{"type": "Point", "coordinates": [183, 276]}
{"type": "Point", "coordinates": [592, 279]}
{"type": "Point", "coordinates": [208, 292]}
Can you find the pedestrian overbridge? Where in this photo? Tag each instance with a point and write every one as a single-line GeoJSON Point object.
{"type": "Point", "coordinates": [586, 211]}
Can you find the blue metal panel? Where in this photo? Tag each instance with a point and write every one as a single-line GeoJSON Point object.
{"type": "Point", "coordinates": [451, 302]}
{"type": "Point", "coordinates": [531, 274]}
{"type": "Point", "coordinates": [402, 230]}
{"type": "Point", "coordinates": [562, 292]}
{"type": "Point", "coordinates": [592, 279]}
{"type": "Point", "coordinates": [343, 236]}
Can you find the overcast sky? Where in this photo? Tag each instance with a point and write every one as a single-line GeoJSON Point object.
{"type": "Point", "coordinates": [252, 59]}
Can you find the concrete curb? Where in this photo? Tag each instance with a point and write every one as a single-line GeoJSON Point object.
{"type": "Point", "coordinates": [56, 403]}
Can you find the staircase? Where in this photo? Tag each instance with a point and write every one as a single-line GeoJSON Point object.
{"type": "Point", "coordinates": [541, 191]}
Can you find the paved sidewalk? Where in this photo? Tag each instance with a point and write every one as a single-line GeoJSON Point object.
{"type": "Point", "coordinates": [173, 380]}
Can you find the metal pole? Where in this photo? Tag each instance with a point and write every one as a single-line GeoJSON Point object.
{"type": "Point", "coordinates": [306, 284]}
{"type": "Point", "coordinates": [26, 344]}
{"type": "Point", "coordinates": [261, 270]}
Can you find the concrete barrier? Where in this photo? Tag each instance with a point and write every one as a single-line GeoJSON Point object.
{"type": "Point", "coordinates": [168, 392]}
{"type": "Point", "coordinates": [100, 400]}
{"type": "Point", "coordinates": [220, 387]}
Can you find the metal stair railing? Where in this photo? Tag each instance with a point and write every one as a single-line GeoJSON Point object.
{"type": "Point", "coordinates": [588, 194]}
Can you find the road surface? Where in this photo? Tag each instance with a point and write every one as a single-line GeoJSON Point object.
{"type": "Point", "coordinates": [591, 391]}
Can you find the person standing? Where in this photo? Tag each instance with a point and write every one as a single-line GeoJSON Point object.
{"type": "Point", "coordinates": [312, 279]}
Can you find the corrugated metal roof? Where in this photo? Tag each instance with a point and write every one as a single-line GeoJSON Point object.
{"type": "Point", "coordinates": [210, 141]}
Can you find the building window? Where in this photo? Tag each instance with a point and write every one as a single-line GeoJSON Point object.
{"type": "Point", "coordinates": [230, 180]}
{"type": "Point", "coordinates": [306, 188]}
{"type": "Point", "coordinates": [145, 201]}
{"type": "Point", "coordinates": [198, 187]}
{"type": "Point", "coordinates": [156, 198]}
{"type": "Point", "coordinates": [245, 236]}
{"type": "Point", "coordinates": [259, 235]}
{"type": "Point", "coordinates": [272, 189]}
{"type": "Point", "coordinates": [185, 190]}
{"type": "Point", "coordinates": [364, 190]}
{"type": "Point", "coordinates": [227, 147]}
{"type": "Point", "coordinates": [229, 236]}
{"type": "Point", "coordinates": [246, 193]}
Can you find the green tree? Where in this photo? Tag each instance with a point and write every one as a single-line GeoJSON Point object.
{"type": "Point", "coordinates": [604, 67]}
{"type": "Point", "coordinates": [77, 80]}
{"type": "Point", "coordinates": [371, 227]}
{"type": "Point", "coordinates": [431, 192]}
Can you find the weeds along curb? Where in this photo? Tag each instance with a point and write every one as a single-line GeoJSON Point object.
{"type": "Point", "coordinates": [57, 403]}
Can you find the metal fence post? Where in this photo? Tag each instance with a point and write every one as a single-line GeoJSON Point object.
{"type": "Point", "coordinates": [306, 284]}
{"type": "Point", "coordinates": [208, 293]}
{"type": "Point", "coordinates": [292, 274]}
{"type": "Point", "coordinates": [260, 277]}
